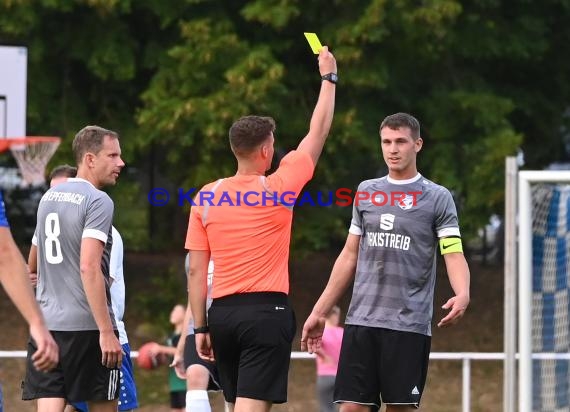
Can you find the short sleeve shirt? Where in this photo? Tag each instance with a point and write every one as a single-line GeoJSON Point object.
{"type": "Point", "coordinates": [67, 213]}
{"type": "Point", "coordinates": [247, 227]}
{"type": "Point", "coordinates": [117, 288]}
{"type": "Point", "coordinates": [396, 268]}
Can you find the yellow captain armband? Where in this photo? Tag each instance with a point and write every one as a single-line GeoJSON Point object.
{"type": "Point", "coordinates": [450, 245]}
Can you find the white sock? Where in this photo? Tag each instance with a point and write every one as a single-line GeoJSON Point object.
{"type": "Point", "coordinates": [197, 401]}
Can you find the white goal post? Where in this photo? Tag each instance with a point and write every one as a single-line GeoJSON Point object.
{"type": "Point", "coordinates": [525, 273]}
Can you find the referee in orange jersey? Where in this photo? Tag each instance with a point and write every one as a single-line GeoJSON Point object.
{"type": "Point", "coordinates": [245, 229]}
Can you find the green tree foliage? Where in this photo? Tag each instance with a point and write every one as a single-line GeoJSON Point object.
{"type": "Point", "coordinates": [484, 77]}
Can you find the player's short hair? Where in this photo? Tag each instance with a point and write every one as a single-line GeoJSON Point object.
{"type": "Point", "coordinates": [90, 140]}
{"type": "Point", "coordinates": [398, 120]}
{"type": "Point", "coordinates": [249, 132]}
{"type": "Point", "coordinates": [63, 171]}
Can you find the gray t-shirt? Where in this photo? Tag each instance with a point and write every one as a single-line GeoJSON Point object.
{"type": "Point", "coordinates": [68, 213]}
{"type": "Point", "coordinates": [396, 269]}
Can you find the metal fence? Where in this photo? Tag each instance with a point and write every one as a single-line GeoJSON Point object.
{"type": "Point", "coordinates": [464, 357]}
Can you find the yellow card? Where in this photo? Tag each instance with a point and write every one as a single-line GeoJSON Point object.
{"type": "Point", "coordinates": [314, 42]}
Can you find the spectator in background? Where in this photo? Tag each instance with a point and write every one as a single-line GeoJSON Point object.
{"type": "Point", "coordinates": [327, 360]}
{"type": "Point", "coordinates": [176, 385]}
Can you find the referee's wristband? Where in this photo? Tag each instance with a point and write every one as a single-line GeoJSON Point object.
{"type": "Point", "coordinates": [202, 329]}
{"type": "Point", "coordinates": [331, 77]}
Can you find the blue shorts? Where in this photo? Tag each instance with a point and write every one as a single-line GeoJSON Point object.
{"type": "Point", "coordinates": [128, 391]}
{"type": "Point", "coordinates": [3, 218]}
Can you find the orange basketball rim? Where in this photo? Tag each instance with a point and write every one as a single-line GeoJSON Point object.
{"type": "Point", "coordinates": [32, 155]}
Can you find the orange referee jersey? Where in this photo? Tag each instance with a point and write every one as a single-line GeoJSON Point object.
{"type": "Point", "coordinates": [245, 228]}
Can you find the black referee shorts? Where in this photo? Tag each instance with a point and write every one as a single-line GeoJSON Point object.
{"type": "Point", "coordinates": [252, 334]}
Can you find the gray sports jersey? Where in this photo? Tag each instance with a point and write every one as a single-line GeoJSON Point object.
{"type": "Point", "coordinates": [395, 273]}
{"type": "Point", "coordinates": [68, 213]}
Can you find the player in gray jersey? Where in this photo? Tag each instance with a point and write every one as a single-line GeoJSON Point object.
{"type": "Point", "coordinates": [390, 254]}
{"type": "Point", "coordinates": [128, 393]}
{"type": "Point", "coordinates": [71, 246]}
{"type": "Point", "coordinates": [201, 375]}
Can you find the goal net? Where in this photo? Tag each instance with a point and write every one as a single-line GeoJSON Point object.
{"type": "Point", "coordinates": [543, 276]}
{"type": "Point", "coordinates": [550, 290]}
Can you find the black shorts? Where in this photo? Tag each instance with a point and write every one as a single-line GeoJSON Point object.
{"type": "Point", "coordinates": [178, 399]}
{"type": "Point", "coordinates": [252, 335]}
{"type": "Point", "coordinates": [381, 365]}
{"type": "Point", "coordinates": [191, 358]}
{"type": "Point", "coordinates": [79, 375]}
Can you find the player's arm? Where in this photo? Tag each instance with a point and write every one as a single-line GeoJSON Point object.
{"type": "Point", "coordinates": [178, 360]}
{"type": "Point", "coordinates": [94, 285]}
{"type": "Point", "coordinates": [157, 349]}
{"type": "Point", "coordinates": [182, 341]}
{"type": "Point", "coordinates": [14, 279]}
{"type": "Point", "coordinates": [197, 297]}
{"type": "Point", "coordinates": [341, 276]}
{"type": "Point", "coordinates": [33, 265]}
{"type": "Point", "coordinates": [459, 278]}
{"type": "Point", "coordinates": [321, 119]}
{"type": "Point", "coordinates": [33, 259]}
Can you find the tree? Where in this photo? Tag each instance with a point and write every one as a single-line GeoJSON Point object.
{"type": "Point", "coordinates": [484, 78]}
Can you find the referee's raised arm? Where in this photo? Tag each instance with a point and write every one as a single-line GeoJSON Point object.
{"type": "Point", "coordinates": [322, 117]}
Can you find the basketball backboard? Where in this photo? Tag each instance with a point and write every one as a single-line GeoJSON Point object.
{"type": "Point", "coordinates": [13, 80]}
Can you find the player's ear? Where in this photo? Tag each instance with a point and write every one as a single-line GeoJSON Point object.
{"type": "Point", "coordinates": [264, 150]}
{"type": "Point", "coordinates": [89, 159]}
{"type": "Point", "coordinates": [418, 144]}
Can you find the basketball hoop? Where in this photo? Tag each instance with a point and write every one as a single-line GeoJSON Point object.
{"type": "Point", "coordinates": [32, 155]}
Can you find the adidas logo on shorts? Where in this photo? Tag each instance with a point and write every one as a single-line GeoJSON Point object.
{"type": "Point", "coordinates": [415, 391]}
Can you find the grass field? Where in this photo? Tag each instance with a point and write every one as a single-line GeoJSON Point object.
{"type": "Point", "coordinates": [479, 331]}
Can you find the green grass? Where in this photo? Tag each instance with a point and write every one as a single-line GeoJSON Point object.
{"type": "Point", "coordinates": [152, 386]}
